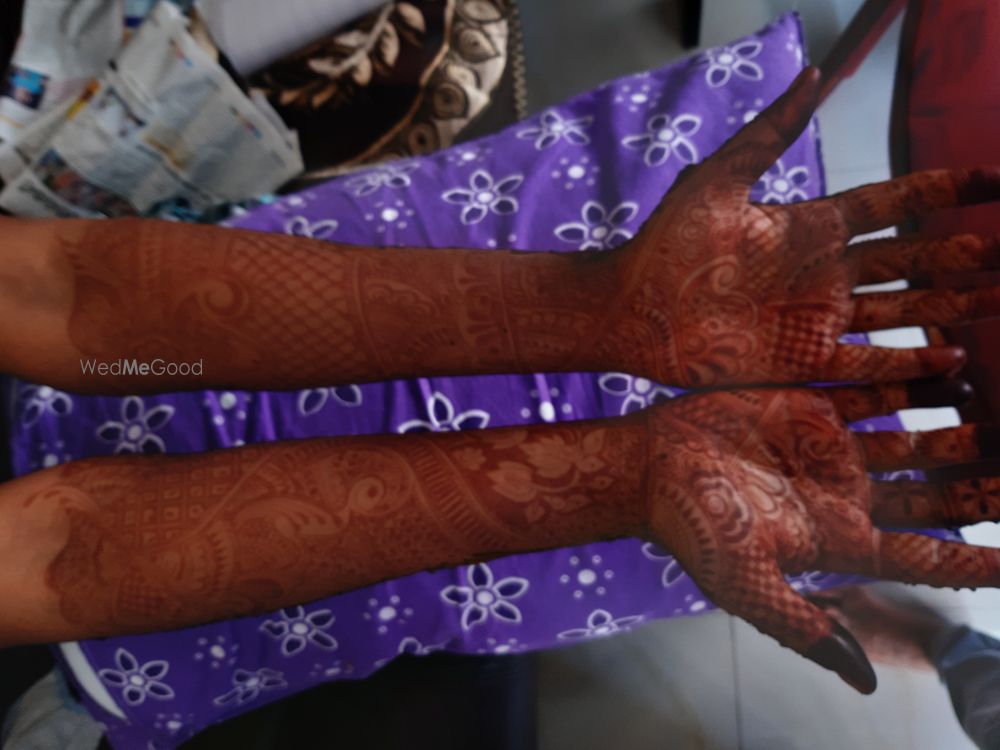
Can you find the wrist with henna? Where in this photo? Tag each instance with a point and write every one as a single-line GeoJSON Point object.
{"type": "Point", "coordinates": [148, 543]}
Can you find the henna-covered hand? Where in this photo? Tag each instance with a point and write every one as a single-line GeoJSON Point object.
{"type": "Point", "coordinates": [745, 486]}
{"type": "Point", "coordinates": [721, 291]}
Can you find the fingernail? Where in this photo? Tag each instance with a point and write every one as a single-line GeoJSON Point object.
{"type": "Point", "coordinates": [841, 653]}
{"type": "Point", "coordinates": [939, 392]}
{"type": "Point", "coordinates": [988, 439]}
{"type": "Point", "coordinates": [947, 360]}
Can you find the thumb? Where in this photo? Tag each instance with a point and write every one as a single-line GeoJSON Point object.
{"type": "Point", "coordinates": [760, 595]}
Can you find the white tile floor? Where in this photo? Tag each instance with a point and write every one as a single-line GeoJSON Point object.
{"type": "Point", "coordinates": [713, 682]}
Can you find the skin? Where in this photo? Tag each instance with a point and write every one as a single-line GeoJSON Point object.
{"type": "Point", "coordinates": [741, 485]}
{"type": "Point", "coordinates": [713, 291]}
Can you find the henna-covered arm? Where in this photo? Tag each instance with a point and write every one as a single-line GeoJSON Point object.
{"type": "Point", "coordinates": [741, 486]}
{"type": "Point", "coordinates": [270, 311]}
{"type": "Point", "coordinates": [115, 545]}
{"type": "Point", "coordinates": [713, 291]}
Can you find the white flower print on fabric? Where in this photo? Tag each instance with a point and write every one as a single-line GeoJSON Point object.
{"type": "Point", "coordinates": [37, 400]}
{"type": "Point", "coordinates": [494, 646]}
{"type": "Point", "coordinates": [295, 629]}
{"type": "Point", "coordinates": [600, 623]}
{"type": "Point", "coordinates": [484, 195]}
{"type": "Point", "coordinates": [468, 154]}
{"type": "Point", "coordinates": [807, 583]}
{"type": "Point", "coordinates": [672, 571]}
{"type": "Point", "coordinates": [387, 612]}
{"type": "Point", "coordinates": [411, 645]}
{"type": "Point", "coordinates": [736, 59]}
{"type": "Point", "coordinates": [484, 597]}
{"type": "Point", "coordinates": [576, 172]}
{"type": "Point", "coordinates": [248, 685]}
{"type": "Point", "coordinates": [783, 186]}
{"type": "Point", "coordinates": [636, 393]}
{"type": "Point", "coordinates": [135, 433]}
{"type": "Point", "coordinates": [394, 176]}
{"type": "Point", "coordinates": [587, 575]}
{"type": "Point", "coordinates": [666, 135]}
{"type": "Point", "coordinates": [300, 226]}
{"type": "Point", "coordinates": [745, 112]}
{"type": "Point", "coordinates": [793, 46]}
{"type": "Point", "coordinates": [553, 127]}
{"type": "Point", "coordinates": [390, 215]}
{"type": "Point", "coordinates": [138, 681]}
{"type": "Point", "coordinates": [636, 95]}
{"type": "Point", "coordinates": [548, 399]}
{"type": "Point", "coordinates": [217, 652]}
{"type": "Point", "coordinates": [441, 417]}
{"type": "Point", "coordinates": [312, 400]}
{"type": "Point", "coordinates": [601, 229]}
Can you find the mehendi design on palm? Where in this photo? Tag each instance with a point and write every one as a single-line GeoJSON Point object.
{"type": "Point", "coordinates": [748, 485]}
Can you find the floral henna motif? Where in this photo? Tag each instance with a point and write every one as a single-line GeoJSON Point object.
{"type": "Point", "coordinates": [273, 311]}
{"type": "Point", "coordinates": [173, 541]}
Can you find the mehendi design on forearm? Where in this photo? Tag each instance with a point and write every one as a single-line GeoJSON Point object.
{"type": "Point", "coordinates": [273, 311]}
{"type": "Point", "coordinates": [174, 541]}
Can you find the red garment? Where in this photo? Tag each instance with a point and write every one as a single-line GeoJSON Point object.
{"type": "Point", "coordinates": [947, 114]}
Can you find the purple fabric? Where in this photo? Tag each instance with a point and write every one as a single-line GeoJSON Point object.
{"type": "Point", "coordinates": [578, 176]}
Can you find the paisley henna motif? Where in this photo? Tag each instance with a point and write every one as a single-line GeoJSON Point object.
{"type": "Point", "coordinates": [173, 541]}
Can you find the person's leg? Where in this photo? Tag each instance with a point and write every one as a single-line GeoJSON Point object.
{"type": "Point", "coordinates": [969, 664]}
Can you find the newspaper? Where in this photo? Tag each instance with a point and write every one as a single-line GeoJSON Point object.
{"type": "Point", "coordinates": [62, 46]}
{"type": "Point", "coordinates": [163, 123]}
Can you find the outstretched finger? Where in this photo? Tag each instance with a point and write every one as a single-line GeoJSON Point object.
{"type": "Point", "coordinates": [934, 307]}
{"type": "Point", "coordinates": [915, 558]}
{"type": "Point", "coordinates": [911, 504]}
{"type": "Point", "coordinates": [858, 362]}
{"type": "Point", "coordinates": [765, 600]}
{"type": "Point", "coordinates": [863, 402]}
{"type": "Point", "coordinates": [894, 258]}
{"type": "Point", "coordinates": [758, 144]}
{"type": "Point", "coordinates": [891, 451]}
{"type": "Point", "coordinates": [885, 204]}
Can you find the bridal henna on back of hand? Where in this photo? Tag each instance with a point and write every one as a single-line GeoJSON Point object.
{"type": "Point", "coordinates": [721, 291]}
